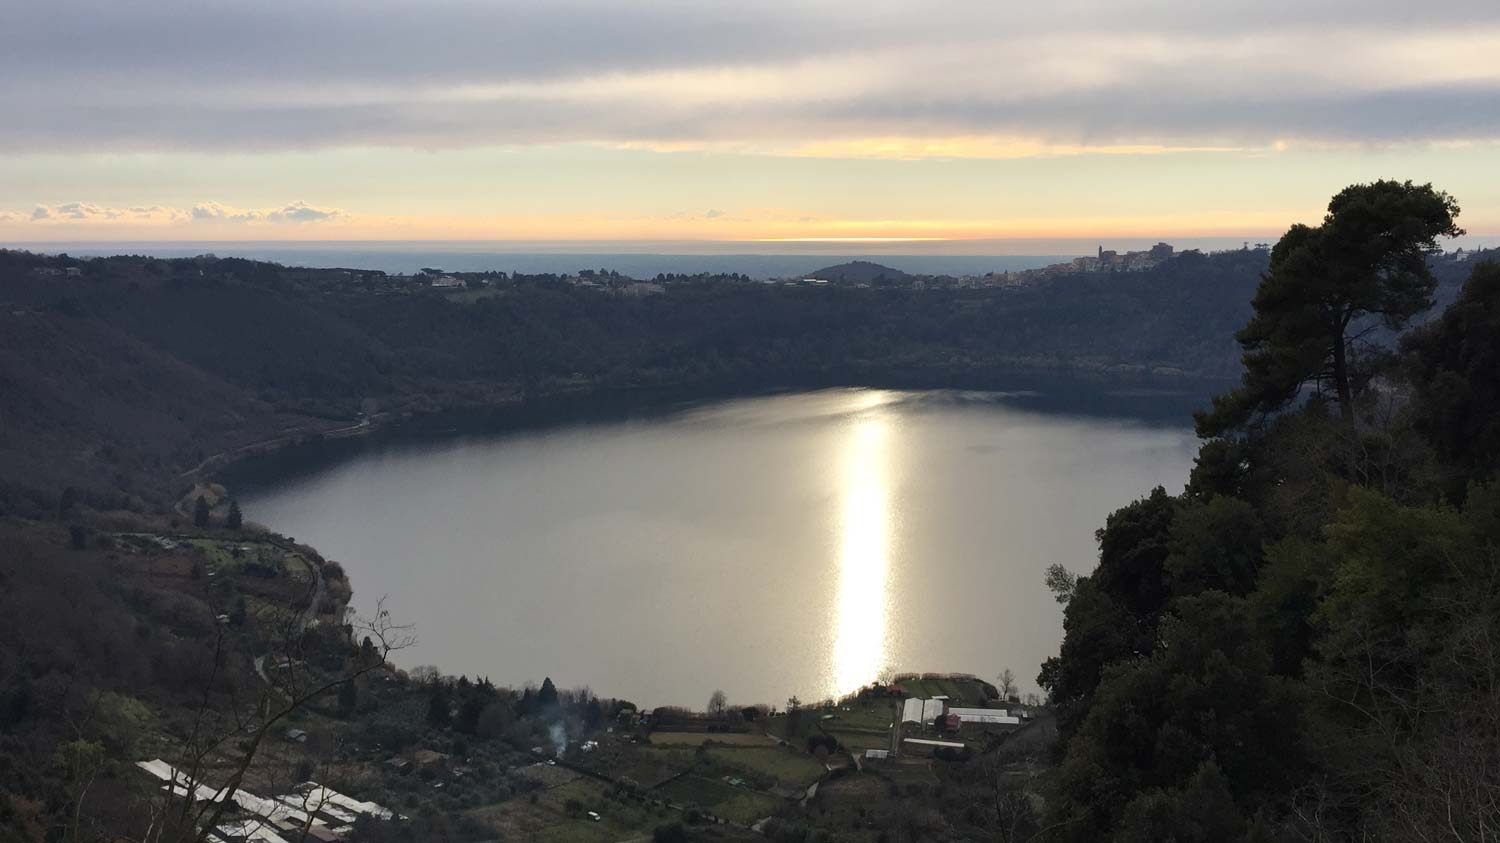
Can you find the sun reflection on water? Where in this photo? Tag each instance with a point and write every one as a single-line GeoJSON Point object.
{"type": "Point", "coordinates": [861, 616]}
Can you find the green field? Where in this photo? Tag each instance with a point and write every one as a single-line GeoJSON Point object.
{"type": "Point", "coordinates": [873, 714]}
{"type": "Point", "coordinates": [960, 692]}
{"type": "Point", "coordinates": [747, 806]}
{"type": "Point", "coordinates": [786, 766]}
{"type": "Point", "coordinates": [739, 804]}
{"type": "Point", "coordinates": [221, 556]}
{"type": "Point", "coordinates": [548, 818]}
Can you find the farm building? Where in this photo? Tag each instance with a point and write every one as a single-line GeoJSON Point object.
{"type": "Point", "coordinates": [985, 716]}
{"type": "Point", "coordinates": [922, 746]}
{"type": "Point", "coordinates": [325, 814]}
{"type": "Point", "coordinates": [921, 711]}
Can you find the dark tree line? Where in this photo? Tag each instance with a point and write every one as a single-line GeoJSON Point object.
{"type": "Point", "coordinates": [1300, 645]}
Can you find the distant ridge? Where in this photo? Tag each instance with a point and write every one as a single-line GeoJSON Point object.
{"type": "Point", "coordinates": [860, 272]}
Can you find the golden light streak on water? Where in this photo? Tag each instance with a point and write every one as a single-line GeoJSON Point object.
{"type": "Point", "coordinates": [865, 535]}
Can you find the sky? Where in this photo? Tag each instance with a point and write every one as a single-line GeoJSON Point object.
{"type": "Point", "coordinates": [946, 121]}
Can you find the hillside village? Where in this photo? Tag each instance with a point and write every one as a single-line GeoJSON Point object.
{"type": "Point", "coordinates": [858, 274]}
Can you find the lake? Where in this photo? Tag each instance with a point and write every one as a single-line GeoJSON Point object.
{"type": "Point", "coordinates": [789, 544]}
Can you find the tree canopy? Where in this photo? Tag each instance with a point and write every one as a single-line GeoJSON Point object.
{"type": "Point", "coordinates": [1366, 261]}
{"type": "Point", "coordinates": [1300, 645]}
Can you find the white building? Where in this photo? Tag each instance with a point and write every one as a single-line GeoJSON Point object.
{"type": "Point", "coordinates": [985, 716]}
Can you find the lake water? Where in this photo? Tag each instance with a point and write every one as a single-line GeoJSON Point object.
{"type": "Point", "coordinates": [792, 544]}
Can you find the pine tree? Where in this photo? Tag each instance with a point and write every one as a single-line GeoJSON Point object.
{"type": "Point", "coordinates": [1367, 260]}
{"type": "Point", "coordinates": [235, 518]}
{"type": "Point", "coordinates": [200, 512]}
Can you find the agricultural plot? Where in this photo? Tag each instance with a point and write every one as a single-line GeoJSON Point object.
{"type": "Point", "coordinates": [880, 713]}
{"type": "Point", "coordinates": [560, 813]}
{"type": "Point", "coordinates": [696, 739]}
{"type": "Point", "coordinates": [960, 692]}
{"type": "Point", "coordinates": [738, 804]}
{"type": "Point", "coordinates": [246, 557]}
{"type": "Point", "coordinates": [784, 766]}
{"type": "Point", "coordinates": [646, 765]}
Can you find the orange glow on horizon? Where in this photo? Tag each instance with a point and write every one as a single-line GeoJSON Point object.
{"type": "Point", "coordinates": [849, 240]}
{"type": "Point", "coordinates": [750, 226]}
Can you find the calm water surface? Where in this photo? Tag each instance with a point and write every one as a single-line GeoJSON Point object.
{"type": "Point", "coordinates": [795, 544]}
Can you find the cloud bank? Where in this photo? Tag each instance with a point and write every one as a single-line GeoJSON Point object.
{"type": "Point", "coordinates": [820, 77]}
{"type": "Point", "coordinates": [203, 212]}
{"type": "Point", "coordinates": [296, 212]}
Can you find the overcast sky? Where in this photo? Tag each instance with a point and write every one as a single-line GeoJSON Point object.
{"type": "Point", "coordinates": [588, 119]}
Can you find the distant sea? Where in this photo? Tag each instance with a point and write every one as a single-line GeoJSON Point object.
{"type": "Point", "coordinates": [640, 260]}
{"type": "Point", "coordinates": [644, 259]}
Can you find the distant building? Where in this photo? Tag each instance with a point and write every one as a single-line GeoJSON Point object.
{"type": "Point", "coordinates": [643, 288]}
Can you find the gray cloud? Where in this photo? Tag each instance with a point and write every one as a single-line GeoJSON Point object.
{"type": "Point", "coordinates": [182, 74]}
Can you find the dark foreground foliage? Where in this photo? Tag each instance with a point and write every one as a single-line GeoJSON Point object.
{"type": "Point", "coordinates": [1302, 645]}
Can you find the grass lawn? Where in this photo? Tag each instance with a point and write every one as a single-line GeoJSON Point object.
{"type": "Point", "coordinates": [960, 692]}
{"type": "Point", "coordinates": [875, 714]}
{"type": "Point", "coordinates": [735, 803]}
{"type": "Point", "coordinates": [695, 790]}
{"type": "Point", "coordinates": [786, 766]}
{"type": "Point", "coordinates": [747, 806]}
